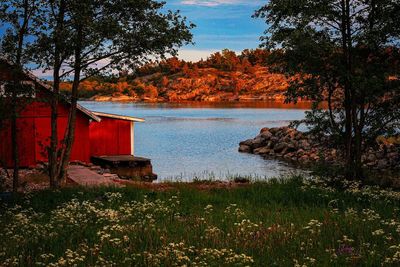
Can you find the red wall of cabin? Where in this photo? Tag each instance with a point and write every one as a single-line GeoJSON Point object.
{"type": "Point", "coordinates": [110, 137]}
{"type": "Point", "coordinates": [34, 128]}
{"type": "Point", "coordinates": [34, 135]}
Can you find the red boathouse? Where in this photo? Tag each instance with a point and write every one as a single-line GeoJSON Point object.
{"type": "Point", "coordinates": [97, 134]}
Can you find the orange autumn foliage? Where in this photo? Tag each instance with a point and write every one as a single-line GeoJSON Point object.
{"type": "Point", "coordinates": [224, 76]}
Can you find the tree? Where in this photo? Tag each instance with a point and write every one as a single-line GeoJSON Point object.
{"type": "Point", "coordinates": [344, 52]}
{"type": "Point", "coordinates": [164, 82]}
{"type": "Point", "coordinates": [151, 91]}
{"type": "Point", "coordinates": [172, 65]}
{"type": "Point", "coordinates": [256, 56]}
{"type": "Point", "coordinates": [18, 17]}
{"type": "Point", "coordinates": [81, 35]}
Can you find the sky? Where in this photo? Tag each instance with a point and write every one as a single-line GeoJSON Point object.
{"type": "Point", "coordinates": [220, 24]}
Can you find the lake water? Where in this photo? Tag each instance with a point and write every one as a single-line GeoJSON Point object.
{"type": "Point", "coordinates": [196, 140]}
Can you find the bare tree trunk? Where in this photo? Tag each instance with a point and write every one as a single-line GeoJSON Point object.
{"type": "Point", "coordinates": [70, 131]}
{"type": "Point", "coordinates": [358, 147]}
{"type": "Point", "coordinates": [333, 123]}
{"type": "Point", "coordinates": [14, 141]}
{"type": "Point", "coordinates": [53, 150]}
{"type": "Point", "coordinates": [16, 87]}
{"type": "Point", "coordinates": [349, 157]}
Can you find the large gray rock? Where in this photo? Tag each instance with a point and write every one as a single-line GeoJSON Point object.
{"type": "Point", "coordinates": [280, 147]}
{"type": "Point", "coordinates": [266, 135]}
{"type": "Point", "coordinates": [292, 146]}
{"type": "Point", "coordinates": [263, 130]}
{"type": "Point", "coordinates": [258, 142]}
{"type": "Point", "coordinates": [274, 140]}
{"type": "Point", "coordinates": [304, 144]}
{"type": "Point", "coordinates": [299, 136]}
{"type": "Point", "coordinates": [274, 130]}
{"type": "Point", "coordinates": [289, 143]}
{"type": "Point", "coordinates": [248, 142]}
{"type": "Point", "coordinates": [262, 150]}
{"type": "Point", "coordinates": [270, 144]}
{"type": "Point", "coordinates": [245, 149]}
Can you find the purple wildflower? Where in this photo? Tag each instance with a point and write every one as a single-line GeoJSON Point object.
{"type": "Point", "coordinates": [345, 250]}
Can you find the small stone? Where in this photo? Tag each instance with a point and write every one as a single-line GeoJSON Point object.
{"type": "Point", "coordinates": [95, 168]}
{"type": "Point", "coordinates": [287, 157]}
{"type": "Point", "coordinates": [371, 158]}
{"type": "Point", "coordinates": [393, 155]}
{"type": "Point", "coordinates": [304, 158]}
{"type": "Point", "coordinates": [383, 163]}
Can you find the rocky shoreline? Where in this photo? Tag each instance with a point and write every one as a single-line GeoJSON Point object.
{"type": "Point", "coordinates": [302, 148]}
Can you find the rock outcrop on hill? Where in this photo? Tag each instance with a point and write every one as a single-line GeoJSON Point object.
{"type": "Point", "coordinates": [224, 76]}
{"type": "Point", "coordinates": [303, 148]}
{"type": "Point", "coordinates": [208, 85]}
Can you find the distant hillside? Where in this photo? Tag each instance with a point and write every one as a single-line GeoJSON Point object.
{"type": "Point", "coordinates": [223, 76]}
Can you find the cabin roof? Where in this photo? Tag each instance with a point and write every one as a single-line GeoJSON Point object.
{"type": "Point", "coordinates": [49, 88]}
{"type": "Point", "coordinates": [120, 117]}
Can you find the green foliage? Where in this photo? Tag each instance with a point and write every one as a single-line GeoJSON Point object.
{"type": "Point", "coordinates": [345, 53]}
{"type": "Point", "coordinates": [19, 20]}
{"type": "Point", "coordinates": [118, 34]}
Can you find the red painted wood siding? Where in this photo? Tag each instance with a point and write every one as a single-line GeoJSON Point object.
{"type": "Point", "coordinates": [26, 149]}
{"type": "Point", "coordinates": [80, 149]}
{"type": "Point", "coordinates": [34, 135]}
{"type": "Point", "coordinates": [110, 137]}
{"type": "Point", "coordinates": [34, 129]}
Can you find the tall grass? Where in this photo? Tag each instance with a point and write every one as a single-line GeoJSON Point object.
{"type": "Point", "coordinates": [282, 222]}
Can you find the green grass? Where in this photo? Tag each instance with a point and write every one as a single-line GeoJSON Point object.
{"type": "Point", "coordinates": [286, 222]}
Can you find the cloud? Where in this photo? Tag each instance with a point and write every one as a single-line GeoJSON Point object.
{"type": "Point", "coordinates": [43, 74]}
{"type": "Point", "coordinates": [195, 55]}
{"type": "Point", "coordinates": [211, 3]}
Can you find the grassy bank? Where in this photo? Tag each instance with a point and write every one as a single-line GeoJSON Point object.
{"type": "Point", "coordinates": [279, 223]}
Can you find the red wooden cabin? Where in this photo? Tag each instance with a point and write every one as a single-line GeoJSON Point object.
{"type": "Point", "coordinates": [97, 134]}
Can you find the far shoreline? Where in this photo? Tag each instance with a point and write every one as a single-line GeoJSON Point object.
{"type": "Point", "coordinates": [278, 103]}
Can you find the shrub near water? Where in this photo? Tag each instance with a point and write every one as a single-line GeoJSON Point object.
{"type": "Point", "coordinates": [278, 223]}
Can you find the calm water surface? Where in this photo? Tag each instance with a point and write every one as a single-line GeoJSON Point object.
{"type": "Point", "coordinates": [186, 141]}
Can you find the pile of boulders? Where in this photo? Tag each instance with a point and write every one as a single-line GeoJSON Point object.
{"type": "Point", "coordinates": [292, 145]}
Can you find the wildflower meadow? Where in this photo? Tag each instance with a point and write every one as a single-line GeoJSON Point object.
{"type": "Point", "coordinates": [281, 222]}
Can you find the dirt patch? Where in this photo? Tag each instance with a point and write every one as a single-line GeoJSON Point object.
{"type": "Point", "coordinates": [36, 180]}
{"type": "Point", "coordinates": [29, 180]}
